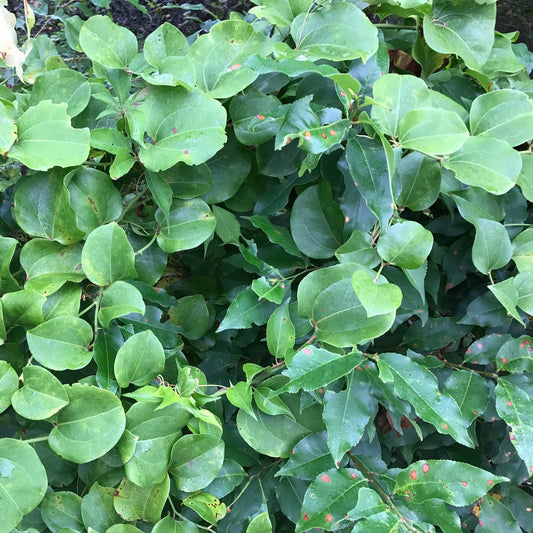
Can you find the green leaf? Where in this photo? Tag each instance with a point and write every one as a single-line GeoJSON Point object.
{"type": "Point", "coordinates": [47, 139]}
{"type": "Point", "coordinates": [435, 333]}
{"type": "Point", "coordinates": [492, 247]}
{"type": "Point", "coordinates": [463, 28]}
{"type": "Point", "coordinates": [23, 483]}
{"type": "Point", "coordinates": [416, 384]}
{"type": "Point", "coordinates": [337, 33]}
{"type": "Point", "coordinates": [184, 126]}
{"type": "Point", "coordinates": [107, 44]}
{"type": "Point", "coordinates": [369, 170]}
{"type": "Point", "coordinates": [107, 256]}
{"type": "Point", "coordinates": [279, 235]}
{"type": "Point", "coordinates": [97, 508]}
{"type": "Point", "coordinates": [210, 508]}
{"type": "Point", "coordinates": [523, 284]}
{"type": "Point", "coordinates": [191, 316]}
{"type": "Point", "coordinates": [280, 332]}
{"type": "Point", "coordinates": [165, 41]}
{"type": "Point", "coordinates": [397, 94]}
{"type": "Point", "coordinates": [119, 299]}
{"type": "Point", "coordinates": [453, 482]}
{"type": "Point", "coordinates": [89, 426]}
{"type": "Point", "coordinates": [7, 249]}
{"type": "Point", "coordinates": [141, 503]}
{"type": "Point", "coordinates": [154, 431]}
{"type": "Point", "coordinates": [105, 348]}
{"type": "Point", "coordinates": [42, 208]}
{"type": "Point", "coordinates": [49, 265]}
{"type": "Point", "coordinates": [245, 310]}
{"type": "Point", "coordinates": [62, 510]}
{"type": "Point", "coordinates": [271, 289]}
{"type": "Point", "coordinates": [260, 524]}
{"type": "Point", "coordinates": [514, 405]}
{"type": "Point", "coordinates": [432, 131]}
{"type": "Point", "coordinates": [358, 249]}
{"type": "Point", "coordinates": [189, 224]}
{"type": "Point", "coordinates": [61, 343]}
{"type": "Point", "coordinates": [139, 360]}
{"type": "Point", "coordinates": [495, 517]}
{"type": "Point", "coordinates": [405, 244]}
{"type": "Point", "coordinates": [228, 228]}
{"type": "Point", "coordinates": [9, 384]}
{"type": "Point", "coordinates": [110, 140]}
{"type": "Point", "coordinates": [346, 414]}
{"type": "Point", "coordinates": [420, 178]}
{"type": "Point", "coordinates": [195, 461]}
{"type": "Point", "coordinates": [329, 498]}
{"type": "Point", "coordinates": [313, 367]}
{"type": "Point", "coordinates": [41, 396]}
{"type": "Point", "coordinates": [317, 222]}
{"type": "Point", "coordinates": [23, 308]}
{"type": "Point", "coordinates": [240, 395]}
{"type": "Point", "coordinates": [523, 250]}
{"type": "Point", "coordinates": [93, 197]}
{"type": "Point", "coordinates": [525, 178]}
{"type": "Point", "coordinates": [506, 115]}
{"type": "Point", "coordinates": [169, 525]}
{"type": "Point", "coordinates": [62, 85]}
{"type": "Point", "coordinates": [280, 12]}
{"type": "Point", "coordinates": [377, 299]}
{"type": "Point", "coordinates": [487, 163]}
{"type": "Point", "coordinates": [8, 130]}
{"type": "Point", "coordinates": [218, 57]}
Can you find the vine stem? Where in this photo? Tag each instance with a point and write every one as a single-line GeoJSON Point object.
{"type": "Point", "coordinates": [152, 240]}
{"type": "Point", "coordinates": [395, 26]}
{"type": "Point", "coordinates": [97, 305]}
{"type": "Point", "coordinates": [36, 439]}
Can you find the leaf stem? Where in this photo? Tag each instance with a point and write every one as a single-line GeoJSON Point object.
{"type": "Point", "coordinates": [81, 313]}
{"type": "Point", "coordinates": [395, 26]}
{"type": "Point", "coordinates": [36, 439]}
{"type": "Point", "coordinates": [97, 305]}
{"type": "Point", "coordinates": [152, 240]}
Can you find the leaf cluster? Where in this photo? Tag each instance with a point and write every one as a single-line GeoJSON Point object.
{"type": "Point", "coordinates": [274, 277]}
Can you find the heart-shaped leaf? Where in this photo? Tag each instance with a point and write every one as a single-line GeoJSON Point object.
{"type": "Point", "coordinates": [377, 299]}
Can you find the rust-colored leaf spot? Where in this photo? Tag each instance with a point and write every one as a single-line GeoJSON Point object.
{"type": "Point", "coordinates": [236, 66]}
{"type": "Point", "coordinates": [445, 426]}
{"type": "Point", "coordinates": [504, 360]}
{"type": "Point", "coordinates": [524, 343]}
{"type": "Point", "coordinates": [307, 134]}
{"type": "Point", "coordinates": [343, 94]}
{"type": "Point", "coordinates": [307, 351]}
{"type": "Point", "coordinates": [413, 475]}
{"type": "Point", "coordinates": [481, 523]}
{"type": "Point", "coordinates": [325, 478]}
{"type": "Point", "coordinates": [509, 403]}
{"type": "Point", "coordinates": [260, 117]}
{"type": "Point", "coordinates": [353, 475]}
{"type": "Point", "coordinates": [490, 482]}
{"type": "Point", "coordinates": [329, 518]}
{"type": "Point", "coordinates": [321, 390]}
{"type": "Point", "coordinates": [306, 517]}
{"type": "Point", "coordinates": [174, 130]}
{"type": "Point", "coordinates": [323, 135]}
{"type": "Point", "coordinates": [186, 152]}
{"type": "Point", "coordinates": [332, 132]}
{"type": "Point", "coordinates": [464, 483]}
{"type": "Point", "coordinates": [425, 468]}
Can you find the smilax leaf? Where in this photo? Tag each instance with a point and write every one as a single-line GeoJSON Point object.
{"type": "Point", "coordinates": [377, 299]}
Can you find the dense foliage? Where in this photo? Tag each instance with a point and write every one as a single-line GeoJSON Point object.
{"type": "Point", "coordinates": [275, 277]}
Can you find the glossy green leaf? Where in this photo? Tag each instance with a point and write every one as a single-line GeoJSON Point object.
{"type": "Point", "coordinates": [8, 130]}
{"type": "Point", "coordinates": [176, 136]}
{"type": "Point", "coordinates": [463, 28]}
{"type": "Point", "coordinates": [93, 197]}
{"type": "Point", "coordinates": [97, 509]}
{"type": "Point", "coordinates": [23, 308]}
{"type": "Point", "coordinates": [44, 133]}
{"type": "Point", "coordinates": [454, 482]}
{"type": "Point", "coordinates": [62, 85]}
{"type": "Point", "coordinates": [9, 384]}
{"type": "Point", "coordinates": [189, 224]}
{"type": "Point", "coordinates": [271, 289]}
{"type": "Point", "coordinates": [338, 33]}
{"type": "Point", "coordinates": [218, 57]}
{"type": "Point", "coordinates": [62, 509]}
{"type": "Point", "coordinates": [154, 431]}
{"type": "Point", "coordinates": [487, 163]}
{"type": "Point", "coordinates": [240, 395]}
{"type": "Point", "coordinates": [506, 115]}
{"type": "Point", "coordinates": [23, 482]}
{"type": "Point", "coordinates": [61, 343]}
{"type": "Point", "coordinates": [416, 384]}
{"type": "Point", "coordinates": [377, 299]}
{"type": "Point", "coordinates": [280, 12]}
{"type": "Point", "coordinates": [406, 244]}
{"type": "Point", "coordinates": [139, 360]}
{"type": "Point", "coordinates": [191, 316]}
{"type": "Point", "coordinates": [492, 247]}
{"type": "Point", "coordinates": [41, 395]}
{"type": "Point", "coordinates": [107, 43]}
{"type": "Point", "coordinates": [89, 426]}
{"type": "Point", "coordinates": [432, 131]}
{"type": "Point", "coordinates": [260, 524]}
{"type": "Point", "coordinates": [346, 414]}
{"type": "Point", "coordinates": [245, 310]}
{"type": "Point", "coordinates": [495, 516]}
{"type": "Point", "coordinates": [280, 332]}
{"type": "Point", "coordinates": [137, 503]}
{"type": "Point", "coordinates": [523, 250]}
{"type": "Point", "coordinates": [107, 256]}
{"type": "Point", "coordinates": [165, 41]}
{"type": "Point", "coordinates": [49, 265]}
{"type": "Point", "coordinates": [228, 228]}
{"type": "Point", "coordinates": [195, 461]}
{"type": "Point", "coordinates": [329, 498]}
{"type": "Point", "coordinates": [317, 222]}
{"type": "Point", "coordinates": [358, 249]}
{"type": "Point", "coordinates": [369, 170]}
{"type": "Point", "coordinates": [514, 406]}
{"type": "Point", "coordinates": [119, 299]}
{"type": "Point", "coordinates": [42, 208]}
{"type": "Point", "coordinates": [313, 367]}
{"type": "Point", "coordinates": [275, 234]}
{"type": "Point", "coordinates": [525, 178]}
{"type": "Point", "coordinates": [110, 140]}
{"type": "Point", "coordinates": [7, 249]}
{"type": "Point", "coordinates": [169, 525]}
